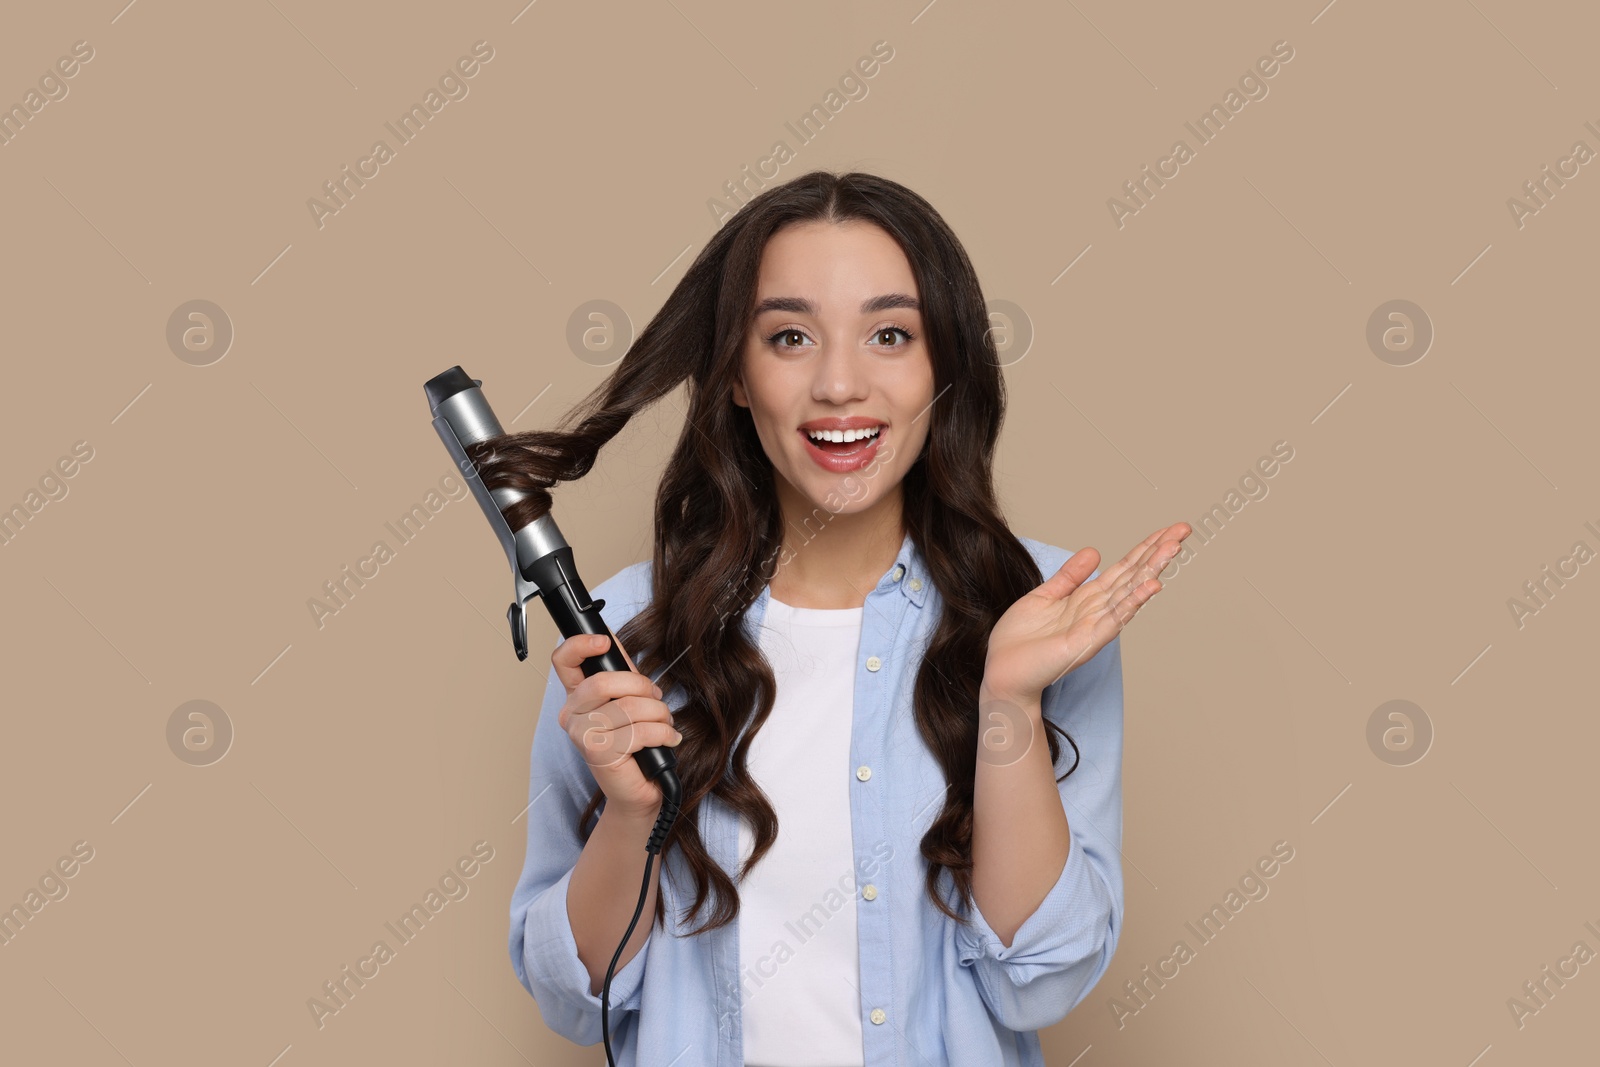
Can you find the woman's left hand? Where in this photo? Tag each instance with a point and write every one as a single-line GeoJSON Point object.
{"type": "Point", "coordinates": [1066, 620]}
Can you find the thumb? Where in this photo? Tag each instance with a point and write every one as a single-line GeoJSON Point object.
{"type": "Point", "coordinates": [1073, 573]}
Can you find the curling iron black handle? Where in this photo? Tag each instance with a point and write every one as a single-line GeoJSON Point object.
{"type": "Point", "coordinates": [575, 612]}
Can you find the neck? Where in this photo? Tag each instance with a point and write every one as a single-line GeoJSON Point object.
{"type": "Point", "coordinates": [833, 560]}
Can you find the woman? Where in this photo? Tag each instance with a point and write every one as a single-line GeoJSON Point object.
{"type": "Point", "coordinates": [827, 625]}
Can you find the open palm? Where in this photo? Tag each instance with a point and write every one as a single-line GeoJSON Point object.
{"type": "Point", "coordinates": [1067, 619]}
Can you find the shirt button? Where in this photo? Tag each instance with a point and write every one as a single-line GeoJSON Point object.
{"type": "Point", "coordinates": [870, 892]}
{"type": "Point", "coordinates": [863, 772]}
{"type": "Point", "coordinates": [899, 572]}
{"type": "Point", "coordinates": [873, 663]}
{"type": "Point", "coordinates": [916, 584]}
{"type": "Point", "coordinates": [878, 1015]}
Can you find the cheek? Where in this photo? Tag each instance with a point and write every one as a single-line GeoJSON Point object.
{"type": "Point", "coordinates": [772, 442]}
{"type": "Point", "coordinates": [912, 442]}
{"type": "Point", "coordinates": [772, 410]}
{"type": "Point", "coordinates": [771, 433]}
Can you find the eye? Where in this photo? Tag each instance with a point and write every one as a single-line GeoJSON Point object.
{"type": "Point", "coordinates": [784, 334]}
{"type": "Point", "coordinates": [890, 331]}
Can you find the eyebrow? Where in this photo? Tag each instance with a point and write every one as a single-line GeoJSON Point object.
{"type": "Point", "coordinates": [802, 306]}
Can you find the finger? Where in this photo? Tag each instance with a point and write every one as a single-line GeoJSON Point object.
{"type": "Point", "coordinates": [570, 654]}
{"type": "Point", "coordinates": [1109, 576]}
{"type": "Point", "coordinates": [635, 709]}
{"type": "Point", "coordinates": [604, 746]}
{"type": "Point", "coordinates": [1125, 606]}
{"type": "Point", "coordinates": [1148, 549]}
{"type": "Point", "coordinates": [1149, 565]}
{"type": "Point", "coordinates": [1068, 578]}
{"type": "Point", "coordinates": [618, 714]}
{"type": "Point", "coordinates": [1070, 575]}
{"type": "Point", "coordinates": [597, 690]}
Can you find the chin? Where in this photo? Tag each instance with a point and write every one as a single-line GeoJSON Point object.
{"type": "Point", "coordinates": [845, 495]}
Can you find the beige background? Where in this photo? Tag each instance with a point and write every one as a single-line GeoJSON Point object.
{"type": "Point", "coordinates": [1228, 314]}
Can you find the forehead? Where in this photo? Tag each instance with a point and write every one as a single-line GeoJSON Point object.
{"type": "Point", "coordinates": [835, 264]}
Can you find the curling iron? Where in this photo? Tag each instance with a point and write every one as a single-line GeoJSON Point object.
{"type": "Point", "coordinates": [542, 566]}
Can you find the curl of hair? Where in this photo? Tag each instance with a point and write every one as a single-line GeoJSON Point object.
{"type": "Point", "coordinates": [718, 526]}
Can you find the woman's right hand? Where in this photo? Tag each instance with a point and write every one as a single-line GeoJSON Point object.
{"type": "Point", "coordinates": [610, 715]}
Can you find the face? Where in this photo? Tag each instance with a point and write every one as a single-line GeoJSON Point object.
{"type": "Point", "coordinates": [837, 344]}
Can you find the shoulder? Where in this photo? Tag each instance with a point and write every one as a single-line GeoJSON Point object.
{"type": "Point", "coordinates": [1049, 557]}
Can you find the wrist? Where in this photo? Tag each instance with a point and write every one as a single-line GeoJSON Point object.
{"type": "Point", "coordinates": [618, 814]}
{"type": "Point", "coordinates": [1030, 702]}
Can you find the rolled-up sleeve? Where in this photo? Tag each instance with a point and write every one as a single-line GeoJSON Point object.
{"type": "Point", "coordinates": [557, 977]}
{"type": "Point", "coordinates": [1064, 948]}
{"type": "Point", "coordinates": [544, 953]}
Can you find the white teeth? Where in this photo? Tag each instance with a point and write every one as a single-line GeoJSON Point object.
{"type": "Point", "coordinates": [842, 436]}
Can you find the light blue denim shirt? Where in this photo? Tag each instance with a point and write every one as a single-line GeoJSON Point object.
{"type": "Point", "coordinates": [931, 992]}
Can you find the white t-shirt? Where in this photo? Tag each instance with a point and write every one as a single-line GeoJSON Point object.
{"type": "Point", "coordinates": [798, 961]}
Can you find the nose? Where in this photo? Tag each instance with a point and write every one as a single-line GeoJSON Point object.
{"type": "Point", "coordinates": [840, 374]}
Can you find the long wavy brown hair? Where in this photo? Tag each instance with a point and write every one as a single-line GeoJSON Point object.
{"type": "Point", "coordinates": [717, 520]}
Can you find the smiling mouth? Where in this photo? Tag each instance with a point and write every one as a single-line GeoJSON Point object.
{"type": "Point", "coordinates": [841, 457]}
{"type": "Point", "coordinates": [842, 442]}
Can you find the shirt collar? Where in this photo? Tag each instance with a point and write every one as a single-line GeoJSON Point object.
{"type": "Point", "coordinates": [908, 573]}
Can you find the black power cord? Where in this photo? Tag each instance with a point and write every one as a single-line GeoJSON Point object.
{"type": "Point", "coordinates": [671, 797]}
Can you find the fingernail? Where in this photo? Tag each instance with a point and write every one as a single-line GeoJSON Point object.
{"type": "Point", "coordinates": [676, 737]}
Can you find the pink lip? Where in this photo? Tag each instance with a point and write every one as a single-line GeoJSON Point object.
{"type": "Point", "coordinates": [842, 463]}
